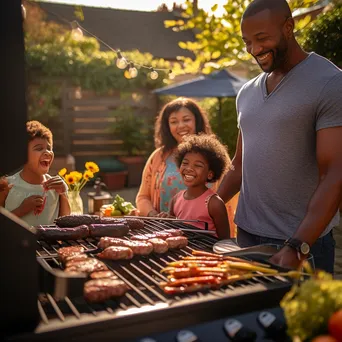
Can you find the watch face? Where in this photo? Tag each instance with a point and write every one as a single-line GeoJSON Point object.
{"type": "Point", "coordinates": [304, 248]}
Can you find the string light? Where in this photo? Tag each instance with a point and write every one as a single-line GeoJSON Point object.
{"type": "Point", "coordinates": [133, 72]}
{"type": "Point", "coordinates": [171, 75]}
{"type": "Point", "coordinates": [154, 75]}
{"type": "Point", "coordinates": [121, 62]}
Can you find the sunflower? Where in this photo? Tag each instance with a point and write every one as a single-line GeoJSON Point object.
{"type": "Point", "coordinates": [77, 175]}
{"type": "Point", "coordinates": [62, 172]}
{"type": "Point", "coordinates": [92, 167]}
{"type": "Point", "coordinates": [87, 175]}
{"type": "Point", "coordinates": [70, 179]}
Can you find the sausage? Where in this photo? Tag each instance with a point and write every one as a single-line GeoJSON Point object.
{"type": "Point", "coordinates": [135, 223]}
{"type": "Point", "coordinates": [139, 238]}
{"type": "Point", "coordinates": [159, 246]}
{"type": "Point", "coordinates": [174, 232]}
{"type": "Point", "coordinates": [57, 233]}
{"type": "Point", "coordinates": [112, 220]}
{"type": "Point", "coordinates": [75, 258]}
{"type": "Point", "coordinates": [76, 220]}
{"type": "Point", "coordinates": [109, 241]}
{"type": "Point", "coordinates": [116, 253]}
{"type": "Point", "coordinates": [113, 230]}
{"type": "Point", "coordinates": [99, 290]}
{"type": "Point", "coordinates": [162, 235]}
{"type": "Point", "coordinates": [177, 241]}
{"type": "Point", "coordinates": [102, 275]}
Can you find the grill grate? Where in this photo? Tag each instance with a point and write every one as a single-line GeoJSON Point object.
{"type": "Point", "coordinates": [142, 275]}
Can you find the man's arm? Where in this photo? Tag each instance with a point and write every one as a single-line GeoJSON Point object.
{"type": "Point", "coordinates": [231, 182]}
{"type": "Point", "coordinates": [326, 199]}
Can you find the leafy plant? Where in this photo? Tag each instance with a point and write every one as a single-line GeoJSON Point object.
{"type": "Point", "coordinates": [133, 129]}
{"type": "Point", "coordinates": [324, 35]}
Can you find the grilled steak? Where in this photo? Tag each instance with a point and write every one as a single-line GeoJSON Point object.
{"type": "Point", "coordinates": [116, 253]}
{"type": "Point", "coordinates": [57, 233]}
{"type": "Point", "coordinates": [135, 223]}
{"type": "Point", "coordinates": [76, 220]}
{"type": "Point", "coordinates": [66, 252]}
{"type": "Point", "coordinates": [159, 245]}
{"type": "Point", "coordinates": [87, 266]}
{"type": "Point", "coordinates": [109, 229]}
{"type": "Point", "coordinates": [102, 275]}
{"type": "Point", "coordinates": [177, 241]}
{"type": "Point", "coordinates": [99, 290]}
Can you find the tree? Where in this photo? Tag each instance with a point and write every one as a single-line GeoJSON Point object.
{"type": "Point", "coordinates": [324, 35]}
{"type": "Point", "coordinates": [218, 39]}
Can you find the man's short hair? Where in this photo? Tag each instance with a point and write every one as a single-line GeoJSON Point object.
{"type": "Point", "coordinates": [277, 6]}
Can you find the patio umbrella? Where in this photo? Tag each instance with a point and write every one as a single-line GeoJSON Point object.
{"type": "Point", "coordinates": [217, 84]}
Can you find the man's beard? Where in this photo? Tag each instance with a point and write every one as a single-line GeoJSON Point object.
{"type": "Point", "coordinates": [279, 56]}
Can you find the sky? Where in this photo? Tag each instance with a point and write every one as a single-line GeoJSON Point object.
{"type": "Point", "coordinates": [140, 5]}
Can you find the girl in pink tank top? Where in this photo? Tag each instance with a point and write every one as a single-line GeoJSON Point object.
{"type": "Point", "coordinates": [201, 159]}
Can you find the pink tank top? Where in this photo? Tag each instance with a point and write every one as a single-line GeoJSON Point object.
{"type": "Point", "coordinates": [195, 209]}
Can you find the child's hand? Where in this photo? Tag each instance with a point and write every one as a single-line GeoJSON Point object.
{"type": "Point", "coordinates": [31, 203]}
{"type": "Point", "coordinates": [56, 183]}
{"type": "Point", "coordinates": [4, 187]}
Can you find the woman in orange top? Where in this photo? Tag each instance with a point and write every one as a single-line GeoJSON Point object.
{"type": "Point", "coordinates": [161, 179]}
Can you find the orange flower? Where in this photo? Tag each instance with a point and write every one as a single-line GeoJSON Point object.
{"type": "Point", "coordinates": [92, 167]}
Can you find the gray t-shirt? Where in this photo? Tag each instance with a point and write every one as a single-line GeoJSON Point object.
{"type": "Point", "coordinates": [280, 172]}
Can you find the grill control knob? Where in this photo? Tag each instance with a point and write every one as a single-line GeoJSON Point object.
{"type": "Point", "coordinates": [273, 326]}
{"type": "Point", "coordinates": [187, 336]}
{"type": "Point", "coordinates": [237, 332]}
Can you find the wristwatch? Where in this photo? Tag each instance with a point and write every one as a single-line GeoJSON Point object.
{"type": "Point", "coordinates": [301, 247]}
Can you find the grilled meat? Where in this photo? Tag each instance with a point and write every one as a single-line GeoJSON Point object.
{"type": "Point", "coordinates": [99, 290]}
{"type": "Point", "coordinates": [159, 246]}
{"type": "Point", "coordinates": [102, 275]}
{"type": "Point", "coordinates": [174, 232]}
{"type": "Point", "coordinates": [57, 233]}
{"type": "Point", "coordinates": [177, 241]}
{"type": "Point", "coordinates": [162, 235]}
{"type": "Point", "coordinates": [135, 223]}
{"type": "Point", "coordinates": [112, 220]}
{"type": "Point", "coordinates": [76, 258]}
{"type": "Point", "coordinates": [116, 253]}
{"type": "Point", "coordinates": [138, 247]}
{"type": "Point", "coordinates": [109, 229]}
{"type": "Point", "coordinates": [139, 237]}
{"type": "Point", "coordinates": [77, 220]}
{"type": "Point", "coordinates": [86, 266]}
{"type": "Point", "coordinates": [66, 252]}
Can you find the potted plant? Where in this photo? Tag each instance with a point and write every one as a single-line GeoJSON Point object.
{"type": "Point", "coordinates": [134, 129]}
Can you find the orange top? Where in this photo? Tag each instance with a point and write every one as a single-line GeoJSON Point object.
{"type": "Point", "coordinates": [148, 197]}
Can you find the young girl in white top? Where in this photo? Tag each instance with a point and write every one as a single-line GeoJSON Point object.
{"type": "Point", "coordinates": [32, 194]}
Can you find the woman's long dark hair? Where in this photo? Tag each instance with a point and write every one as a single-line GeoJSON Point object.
{"type": "Point", "coordinates": [162, 134]}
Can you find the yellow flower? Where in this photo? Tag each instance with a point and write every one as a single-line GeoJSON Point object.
{"type": "Point", "coordinates": [62, 172]}
{"type": "Point", "coordinates": [77, 175]}
{"type": "Point", "coordinates": [87, 175]}
{"type": "Point", "coordinates": [70, 179]}
{"type": "Point", "coordinates": [92, 167]}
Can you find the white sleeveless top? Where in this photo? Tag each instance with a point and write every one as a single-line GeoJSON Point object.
{"type": "Point", "coordinates": [22, 190]}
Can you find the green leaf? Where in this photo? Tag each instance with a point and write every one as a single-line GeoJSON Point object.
{"type": "Point", "coordinates": [214, 8]}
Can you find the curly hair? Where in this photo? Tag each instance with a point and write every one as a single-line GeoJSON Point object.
{"type": "Point", "coordinates": [163, 137]}
{"type": "Point", "coordinates": [210, 148]}
{"type": "Point", "coordinates": [37, 130]}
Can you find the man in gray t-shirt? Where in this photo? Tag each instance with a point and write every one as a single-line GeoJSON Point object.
{"type": "Point", "coordinates": [288, 163]}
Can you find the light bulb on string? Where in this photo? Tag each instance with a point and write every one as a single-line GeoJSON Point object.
{"type": "Point", "coordinates": [121, 62]}
{"type": "Point", "coordinates": [23, 11]}
{"type": "Point", "coordinates": [154, 75]}
{"type": "Point", "coordinates": [171, 75]}
{"type": "Point", "coordinates": [127, 74]}
{"type": "Point", "coordinates": [133, 70]}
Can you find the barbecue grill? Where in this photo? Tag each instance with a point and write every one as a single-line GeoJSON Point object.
{"type": "Point", "coordinates": [145, 308]}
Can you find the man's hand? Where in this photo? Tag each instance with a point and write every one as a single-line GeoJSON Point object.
{"type": "Point", "coordinates": [56, 183]}
{"type": "Point", "coordinates": [163, 214]}
{"type": "Point", "coordinates": [287, 257]}
{"type": "Point", "coordinates": [31, 203]}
